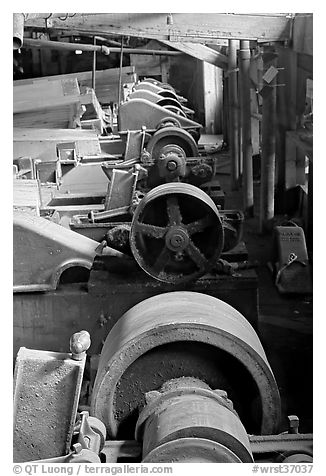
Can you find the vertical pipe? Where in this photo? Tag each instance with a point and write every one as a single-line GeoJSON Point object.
{"type": "Point", "coordinates": [268, 151]}
{"type": "Point", "coordinates": [240, 129]}
{"type": "Point", "coordinates": [94, 66]}
{"type": "Point", "coordinates": [233, 129]}
{"type": "Point", "coordinates": [120, 72]}
{"type": "Point", "coordinates": [18, 30]}
{"type": "Point", "coordinates": [225, 110]}
{"type": "Point", "coordinates": [247, 180]}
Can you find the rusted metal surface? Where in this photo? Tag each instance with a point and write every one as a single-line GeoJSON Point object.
{"type": "Point", "coordinates": [46, 393]}
{"type": "Point", "coordinates": [281, 446]}
{"type": "Point", "coordinates": [268, 448]}
{"type": "Point", "coordinates": [90, 433]}
{"type": "Point", "coordinates": [176, 233]}
{"type": "Point", "coordinates": [43, 250]}
{"type": "Point", "coordinates": [188, 408]}
{"type": "Point", "coordinates": [114, 450]}
{"type": "Point", "coordinates": [191, 450]}
{"type": "Point", "coordinates": [183, 334]}
{"type": "Point", "coordinates": [232, 222]}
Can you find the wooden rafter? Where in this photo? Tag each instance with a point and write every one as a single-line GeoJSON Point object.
{"type": "Point", "coordinates": [200, 52]}
{"type": "Point", "coordinates": [185, 27]}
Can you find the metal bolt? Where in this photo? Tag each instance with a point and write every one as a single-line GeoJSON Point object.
{"type": "Point", "coordinates": [171, 165]}
{"type": "Point", "coordinates": [293, 424]}
{"type": "Point", "coordinates": [77, 447]}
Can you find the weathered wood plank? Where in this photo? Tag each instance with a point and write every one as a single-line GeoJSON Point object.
{"type": "Point", "coordinates": [29, 96]}
{"type": "Point", "coordinates": [190, 27]}
{"type": "Point", "coordinates": [109, 75]}
{"type": "Point", "coordinates": [42, 143]}
{"type": "Point", "coordinates": [63, 113]}
{"type": "Point", "coordinates": [303, 33]}
{"type": "Point", "coordinates": [201, 52]}
{"type": "Point", "coordinates": [213, 98]}
{"type": "Point", "coordinates": [106, 87]}
{"type": "Point", "coordinates": [26, 195]}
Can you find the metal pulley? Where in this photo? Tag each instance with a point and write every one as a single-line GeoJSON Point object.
{"type": "Point", "coordinates": [176, 233]}
{"type": "Point", "coordinates": [172, 163]}
{"type": "Point", "coordinates": [183, 334]}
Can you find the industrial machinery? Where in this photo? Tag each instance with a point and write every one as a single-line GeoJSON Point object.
{"type": "Point", "coordinates": [47, 426]}
{"type": "Point", "coordinates": [182, 377]}
{"type": "Point", "coordinates": [44, 251]}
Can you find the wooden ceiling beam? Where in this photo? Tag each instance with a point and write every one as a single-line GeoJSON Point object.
{"type": "Point", "coordinates": [201, 52]}
{"type": "Point", "coordinates": [185, 27]}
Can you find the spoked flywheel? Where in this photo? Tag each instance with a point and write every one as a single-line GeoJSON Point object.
{"type": "Point", "coordinates": [176, 233]}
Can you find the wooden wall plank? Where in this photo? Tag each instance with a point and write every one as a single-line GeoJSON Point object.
{"type": "Point", "coordinates": [303, 33]}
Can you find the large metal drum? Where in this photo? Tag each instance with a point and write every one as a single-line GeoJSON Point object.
{"type": "Point", "coordinates": [176, 233]}
{"type": "Point", "coordinates": [183, 334]}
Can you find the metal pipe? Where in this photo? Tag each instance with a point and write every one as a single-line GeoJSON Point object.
{"type": "Point", "coordinates": [144, 51]}
{"type": "Point", "coordinates": [18, 30]}
{"type": "Point", "coordinates": [58, 45]}
{"type": "Point", "coordinates": [94, 66]}
{"type": "Point", "coordinates": [19, 21]}
{"type": "Point", "coordinates": [233, 113]}
{"type": "Point", "coordinates": [247, 179]}
{"type": "Point", "coordinates": [267, 184]}
{"type": "Point", "coordinates": [120, 72]}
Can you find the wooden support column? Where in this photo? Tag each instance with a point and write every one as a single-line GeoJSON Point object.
{"type": "Point", "coordinates": [267, 184]}
{"type": "Point", "coordinates": [233, 130]}
{"type": "Point", "coordinates": [247, 179]}
{"type": "Point", "coordinates": [213, 98]}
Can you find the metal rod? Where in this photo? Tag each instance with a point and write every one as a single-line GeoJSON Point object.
{"type": "Point", "coordinates": [94, 66]}
{"type": "Point", "coordinates": [144, 51]}
{"type": "Point", "coordinates": [60, 45]}
{"type": "Point", "coordinates": [233, 113]}
{"type": "Point", "coordinates": [247, 179]}
{"type": "Point", "coordinates": [267, 184]}
{"type": "Point", "coordinates": [120, 72]}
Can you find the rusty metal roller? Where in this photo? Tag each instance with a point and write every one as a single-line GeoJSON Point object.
{"type": "Point", "coordinates": [183, 334]}
{"type": "Point", "coordinates": [176, 233]}
{"type": "Point", "coordinates": [186, 410]}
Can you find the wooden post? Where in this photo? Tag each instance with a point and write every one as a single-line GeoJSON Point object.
{"type": "Point", "coordinates": [247, 179]}
{"type": "Point", "coordinates": [268, 142]}
{"type": "Point", "coordinates": [233, 130]}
